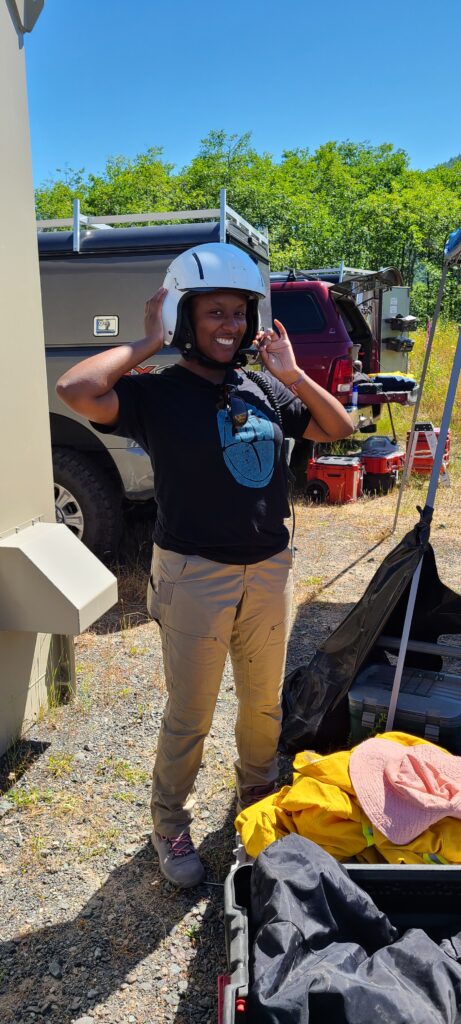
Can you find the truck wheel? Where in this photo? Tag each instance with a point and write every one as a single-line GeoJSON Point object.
{"type": "Point", "coordinates": [87, 501]}
{"type": "Point", "coordinates": [316, 491]}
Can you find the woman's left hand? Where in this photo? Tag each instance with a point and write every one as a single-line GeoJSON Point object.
{"type": "Point", "coordinates": [277, 352]}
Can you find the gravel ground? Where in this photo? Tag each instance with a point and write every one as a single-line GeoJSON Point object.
{"type": "Point", "coordinates": [90, 930]}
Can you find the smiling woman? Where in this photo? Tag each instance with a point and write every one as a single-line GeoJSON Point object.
{"type": "Point", "coordinates": [221, 577]}
{"type": "Point", "coordinates": [219, 320]}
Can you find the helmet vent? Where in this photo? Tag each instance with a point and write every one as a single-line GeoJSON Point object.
{"type": "Point", "coordinates": [200, 268]}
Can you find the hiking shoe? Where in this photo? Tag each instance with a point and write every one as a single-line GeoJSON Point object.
{"type": "Point", "coordinates": [179, 860]}
{"type": "Point", "coordinates": [254, 796]}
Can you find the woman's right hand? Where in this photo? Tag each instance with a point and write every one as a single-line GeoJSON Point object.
{"type": "Point", "coordinates": [153, 323]}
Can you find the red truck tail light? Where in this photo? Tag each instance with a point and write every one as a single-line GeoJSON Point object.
{"type": "Point", "coordinates": [341, 383]}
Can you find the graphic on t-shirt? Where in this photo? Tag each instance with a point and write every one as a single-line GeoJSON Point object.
{"type": "Point", "coordinates": [249, 453]}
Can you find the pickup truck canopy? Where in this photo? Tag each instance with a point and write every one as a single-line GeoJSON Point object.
{"type": "Point", "coordinates": [94, 270]}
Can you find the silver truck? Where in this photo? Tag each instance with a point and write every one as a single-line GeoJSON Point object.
{"type": "Point", "coordinates": [95, 278]}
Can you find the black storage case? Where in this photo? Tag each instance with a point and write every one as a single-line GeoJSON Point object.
{"type": "Point", "coordinates": [429, 704]}
{"type": "Point", "coordinates": [412, 896]}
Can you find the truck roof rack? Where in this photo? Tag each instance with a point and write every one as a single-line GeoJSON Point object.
{"type": "Point", "coordinates": [349, 279]}
{"type": "Point", "coordinates": [364, 279]}
{"type": "Point", "coordinates": [224, 214]}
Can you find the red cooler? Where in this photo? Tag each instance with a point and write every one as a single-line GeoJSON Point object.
{"type": "Point", "coordinates": [381, 472]}
{"type": "Point", "coordinates": [334, 480]}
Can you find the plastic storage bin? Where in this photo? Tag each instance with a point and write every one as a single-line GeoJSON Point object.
{"type": "Point", "coordinates": [429, 704]}
{"type": "Point", "coordinates": [413, 896]}
{"type": "Point", "coordinates": [381, 472]}
{"type": "Point", "coordinates": [383, 464]}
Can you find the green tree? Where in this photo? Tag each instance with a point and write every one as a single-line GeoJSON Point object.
{"type": "Point", "coordinates": [132, 186]}
{"type": "Point", "coordinates": [54, 199]}
{"type": "Point", "coordinates": [346, 200]}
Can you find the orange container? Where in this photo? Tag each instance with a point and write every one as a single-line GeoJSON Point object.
{"type": "Point", "coordinates": [334, 480]}
{"type": "Point", "coordinates": [383, 464]}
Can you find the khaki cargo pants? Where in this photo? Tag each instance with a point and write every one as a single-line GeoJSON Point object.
{"type": "Point", "coordinates": [206, 609]}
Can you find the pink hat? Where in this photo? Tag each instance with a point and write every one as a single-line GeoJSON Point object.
{"type": "Point", "coordinates": [405, 790]}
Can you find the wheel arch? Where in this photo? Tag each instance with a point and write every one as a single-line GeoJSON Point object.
{"type": "Point", "coordinates": [69, 433]}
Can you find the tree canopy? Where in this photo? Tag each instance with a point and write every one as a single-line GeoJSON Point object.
{"type": "Point", "coordinates": [346, 200]}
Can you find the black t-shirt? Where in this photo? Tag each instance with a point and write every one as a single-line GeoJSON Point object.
{"type": "Point", "coordinates": [219, 495]}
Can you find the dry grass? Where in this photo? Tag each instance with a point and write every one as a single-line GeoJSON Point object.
{"type": "Point", "coordinates": [131, 608]}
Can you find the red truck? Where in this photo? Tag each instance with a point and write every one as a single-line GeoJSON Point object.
{"type": "Point", "coordinates": [328, 333]}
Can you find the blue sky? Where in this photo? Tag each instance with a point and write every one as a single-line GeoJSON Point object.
{"type": "Point", "coordinates": [109, 77]}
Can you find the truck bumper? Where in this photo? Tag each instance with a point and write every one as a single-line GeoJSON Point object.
{"type": "Point", "coordinates": [363, 416]}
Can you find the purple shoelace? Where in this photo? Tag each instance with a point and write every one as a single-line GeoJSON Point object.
{"type": "Point", "coordinates": [181, 845]}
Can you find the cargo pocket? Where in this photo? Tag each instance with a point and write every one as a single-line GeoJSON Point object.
{"type": "Point", "coordinates": [278, 635]}
{"type": "Point", "coordinates": [152, 602]}
{"type": "Point", "coordinates": [196, 664]}
{"type": "Point", "coordinates": [266, 667]}
{"type": "Point", "coordinates": [158, 595]}
{"type": "Point", "coordinates": [167, 568]}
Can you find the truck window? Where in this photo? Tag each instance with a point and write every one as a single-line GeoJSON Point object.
{"type": "Point", "coordinates": [355, 324]}
{"type": "Point", "coordinates": [298, 311]}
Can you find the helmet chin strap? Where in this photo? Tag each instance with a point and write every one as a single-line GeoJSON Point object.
{"type": "Point", "coordinates": [238, 359]}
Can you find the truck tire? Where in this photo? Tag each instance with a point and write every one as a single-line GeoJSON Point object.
{"type": "Point", "coordinates": [87, 501]}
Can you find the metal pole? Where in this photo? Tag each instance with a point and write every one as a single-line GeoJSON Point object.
{"type": "Point", "coordinates": [406, 468]}
{"type": "Point", "coordinates": [76, 235]}
{"type": "Point", "coordinates": [222, 214]}
{"type": "Point", "coordinates": [403, 648]}
{"type": "Point", "coordinates": [444, 426]}
{"type": "Point", "coordinates": [432, 490]}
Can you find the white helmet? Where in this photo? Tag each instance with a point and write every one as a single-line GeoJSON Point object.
{"type": "Point", "coordinates": [205, 268]}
